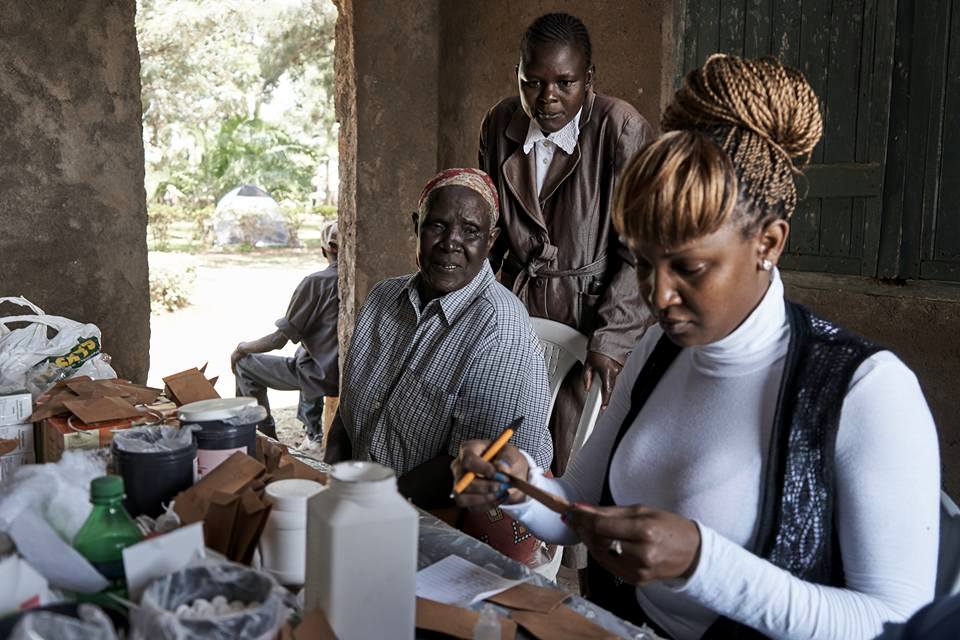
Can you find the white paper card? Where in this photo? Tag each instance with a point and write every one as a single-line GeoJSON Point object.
{"type": "Point", "coordinates": [459, 582]}
{"type": "Point", "coordinates": [156, 557]}
{"type": "Point", "coordinates": [53, 558]}
{"type": "Point", "coordinates": [23, 588]}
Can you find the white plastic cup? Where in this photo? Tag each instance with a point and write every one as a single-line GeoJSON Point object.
{"type": "Point", "coordinates": [283, 544]}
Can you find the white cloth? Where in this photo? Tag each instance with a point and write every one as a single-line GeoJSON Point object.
{"type": "Point", "coordinates": [544, 146]}
{"type": "Point", "coordinates": [698, 448]}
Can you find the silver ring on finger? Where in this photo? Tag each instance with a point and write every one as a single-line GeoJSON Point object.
{"type": "Point", "coordinates": [615, 548]}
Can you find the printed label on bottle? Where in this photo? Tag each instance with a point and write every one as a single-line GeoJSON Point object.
{"type": "Point", "coordinates": [209, 459]}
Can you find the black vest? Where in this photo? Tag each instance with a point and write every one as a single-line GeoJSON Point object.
{"type": "Point", "coordinates": [796, 520]}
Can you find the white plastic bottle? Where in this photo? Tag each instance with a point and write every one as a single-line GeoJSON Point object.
{"type": "Point", "coordinates": [283, 543]}
{"type": "Point", "coordinates": [488, 625]}
{"type": "Point", "coordinates": [362, 554]}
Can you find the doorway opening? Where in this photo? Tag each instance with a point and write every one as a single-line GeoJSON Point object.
{"type": "Point", "coordinates": [241, 155]}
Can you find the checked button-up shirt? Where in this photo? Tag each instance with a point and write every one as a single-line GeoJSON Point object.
{"type": "Point", "coordinates": [419, 381]}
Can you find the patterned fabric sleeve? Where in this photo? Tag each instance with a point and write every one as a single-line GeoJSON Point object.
{"type": "Point", "coordinates": [508, 379]}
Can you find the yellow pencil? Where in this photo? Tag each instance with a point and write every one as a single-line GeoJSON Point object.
{"type": "Point", "coordinates": [492, 449]}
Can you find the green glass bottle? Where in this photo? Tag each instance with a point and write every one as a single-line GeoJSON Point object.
{"type": "Point", "coordinates": [109, 529]}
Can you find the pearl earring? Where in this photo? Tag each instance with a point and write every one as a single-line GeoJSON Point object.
{"type": "Point", "coordinates": [766, 265]}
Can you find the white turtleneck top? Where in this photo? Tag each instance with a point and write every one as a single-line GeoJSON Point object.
{"type": "Point", "coordinates": [698, 448]}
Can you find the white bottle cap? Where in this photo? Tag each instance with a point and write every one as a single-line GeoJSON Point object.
{"type": "Point", "coordinates": [361, 471]}
{"type": "Point", "coordinates": [292, 495]}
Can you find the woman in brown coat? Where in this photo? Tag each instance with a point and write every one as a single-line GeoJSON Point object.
{"type": "Point", "coordinates": [555, 152]}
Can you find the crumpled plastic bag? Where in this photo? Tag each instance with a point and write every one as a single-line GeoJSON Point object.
{"type": "Point", "coordinates": [155, 618]}
{"type": "Point", "coordinates": [58, 492]}
{"type": "Point", "coordinates": [165, 522]}
{"type": "Point", "coordinates": [162, 437]}
{"type": "Point", "coordinates": [247, 415]}
{"type": "Point", "coordinates": [45, 625]}
{"type": "Point", "coordinates": [33, 359]}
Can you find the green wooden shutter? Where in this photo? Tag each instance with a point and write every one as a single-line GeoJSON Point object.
{"type": "Point", "coordinates": [921, 222]}
{"type": "Point", "coordinates": [845, 49]}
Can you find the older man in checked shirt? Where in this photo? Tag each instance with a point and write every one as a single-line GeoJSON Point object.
{"type": "Point", "coordinates": [442, 356]}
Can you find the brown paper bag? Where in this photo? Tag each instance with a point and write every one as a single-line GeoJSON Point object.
{"type": "Point", "coordinates": [229, 502]}
{"type": "Point", "coordinates": [454, 621]}
{"type": "Point", "coordinates": [252, 514]}
{"type": "Point", "coordinates": [563, 623]}
{"type": "Point", "coordinates": [92, 410]}
{"type": "Point", "coordinates": [189, 386]}
{"type": "Point", "coordinates": [220, 522]}
{"type": "Point", "coordinates": [529, 597]}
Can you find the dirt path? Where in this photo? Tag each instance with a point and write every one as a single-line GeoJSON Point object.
{"type": "Point", "coordinates": [234, 297]}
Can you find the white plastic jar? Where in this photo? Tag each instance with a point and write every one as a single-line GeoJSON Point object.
{"type": "Point", "coordinates": [362, 554]}
{"type": "Point", "coordinates": [283, 544]}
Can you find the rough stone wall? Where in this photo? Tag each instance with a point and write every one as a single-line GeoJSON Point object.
{"type": "Point", "coordinates": [345, 104]}
{"type": "Point", "coordinates": [72, 202]}
{"type": "Point", "coordinates": [922, 332]}
{"type": "Point", "coordinates": [393, 134]}
{"type": "Point", "coordinates": [632, 45]}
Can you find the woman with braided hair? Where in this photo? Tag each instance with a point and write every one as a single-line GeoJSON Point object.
{"type": "Point", "coordinates": [759, 471]}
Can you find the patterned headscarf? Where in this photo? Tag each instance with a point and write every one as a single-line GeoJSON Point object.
{"type": "Point", "coordinates": [472, 179]}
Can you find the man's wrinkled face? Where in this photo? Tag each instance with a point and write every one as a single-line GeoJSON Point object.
{"type": "Point", "coordinates": [454, 239]}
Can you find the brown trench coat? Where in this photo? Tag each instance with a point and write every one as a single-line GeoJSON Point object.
{"type": "Point", "coordinates": [559, 252]}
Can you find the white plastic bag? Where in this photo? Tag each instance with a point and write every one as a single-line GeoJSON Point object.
{"type": "Point", "coordinates": [92, 624]}
{"type": "Point", "coordinates": [73, 350]}
{"type": "Point", "coordinates": [156, 618]}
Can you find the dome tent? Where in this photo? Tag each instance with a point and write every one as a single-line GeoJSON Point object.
{"type": "Point", "coordinates": [249, 214]}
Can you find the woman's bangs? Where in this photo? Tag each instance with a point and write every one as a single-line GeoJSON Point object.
{"type": "Point", "coordinates": [680, 188]}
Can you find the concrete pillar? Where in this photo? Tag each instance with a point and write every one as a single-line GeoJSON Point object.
{"type": "Point", "coordinates": [387, 64]}
{"type": "Point", "coordinates": [72, 202]}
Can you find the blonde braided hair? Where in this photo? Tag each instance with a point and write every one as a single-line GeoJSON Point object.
{"type": "Point", "coordinates": [765, 119]}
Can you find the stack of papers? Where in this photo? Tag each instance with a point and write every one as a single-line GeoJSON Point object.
{"type": "Point", "coordinates": [459, 582]}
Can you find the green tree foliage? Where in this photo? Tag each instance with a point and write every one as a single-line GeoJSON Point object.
{"type": "Point", "coordinates": [236, 91]}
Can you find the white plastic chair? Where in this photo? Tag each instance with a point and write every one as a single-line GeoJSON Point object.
{"type": "Point", "coordinates": [948, 565]}
{"type": "Point", "coordinates": [563, 347]}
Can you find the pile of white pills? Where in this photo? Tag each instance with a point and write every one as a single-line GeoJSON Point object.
{"type": "Point", "coordinates": [202, 608]}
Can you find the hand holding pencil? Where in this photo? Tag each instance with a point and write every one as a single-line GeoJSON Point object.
{"type": "Point", "coordinates": [480, 472]}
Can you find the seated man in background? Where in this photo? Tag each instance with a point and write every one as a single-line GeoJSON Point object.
{"type": "Point", "coordinates": [444, 356]}
{"type": "Point", "coordinates": [311, 321]}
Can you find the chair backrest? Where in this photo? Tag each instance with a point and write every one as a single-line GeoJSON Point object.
{"type": "Point", "coordinates": [948, 565]}
{"type": "Point", "coordinates": [563, 347]}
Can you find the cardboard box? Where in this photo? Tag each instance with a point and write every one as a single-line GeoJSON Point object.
{"type": "Point", "coordinates": [17, 438]}
{"type": "Point", "coordinates": [15, 408]}
{"type": "Point", "coordinates": [58, 434]}
{"type": "Point", "coordinates": [12, 462]}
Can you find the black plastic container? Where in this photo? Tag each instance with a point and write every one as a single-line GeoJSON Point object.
{"type": "Point", "coordinates": [220, 436]}
{"type": "Point", "coordinates": [154, 478]}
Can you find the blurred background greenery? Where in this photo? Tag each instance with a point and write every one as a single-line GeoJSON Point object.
{"type": "Point", "coordinates": [237, 92]}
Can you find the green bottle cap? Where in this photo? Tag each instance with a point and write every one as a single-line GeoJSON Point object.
{"type": "Point", "coordinates": [106, 487]}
